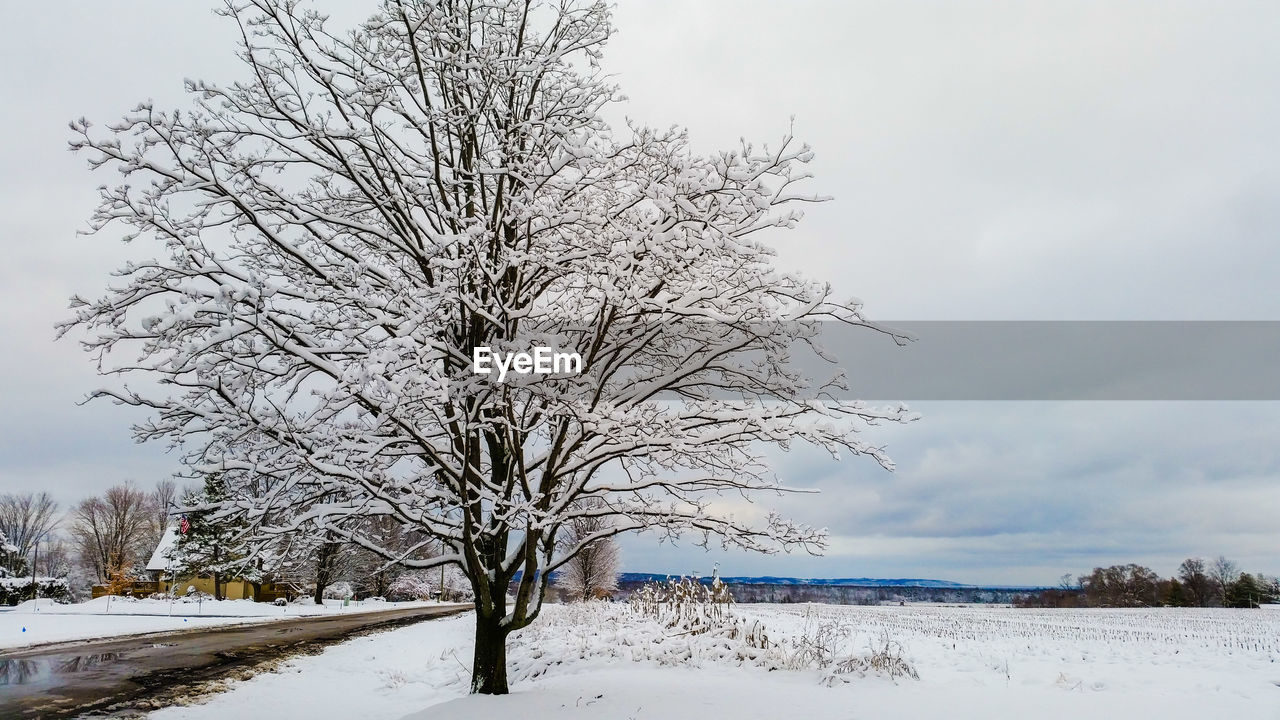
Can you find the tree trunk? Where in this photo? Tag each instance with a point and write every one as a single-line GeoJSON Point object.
{"type": "Point", "coordinates": [322, 581]}
{"type": "Point", "coordinates": [324, 569]}
{"type": "Point", "coordinates": [489, 667]}
{"type": "Point", "coordinates": [217, 576]}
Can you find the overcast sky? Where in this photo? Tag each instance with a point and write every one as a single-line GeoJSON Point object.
{"type": "Point", "coordinates": [1031, 161]}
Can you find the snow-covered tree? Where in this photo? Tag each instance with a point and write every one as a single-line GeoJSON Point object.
{"type": "Point", "coordinates": [311, 561]}
{"type": "Point", "coordinates": [210, 546]}
{"type": "Point", "coordinates": [593, 572]}
{"type": "Point", "coordinates": [306, 560]}
{"type": "Point", "coordinates": [427, 584]}
{"type": "Point", "coordinates": [7, 550]}
{"type": "Point", "coordinates": [371, 572]}
{"type": "Point", "coordinates": [343, 227]}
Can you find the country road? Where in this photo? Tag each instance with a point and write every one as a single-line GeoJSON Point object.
{"type": "Point", "coordinates": [123, 676]}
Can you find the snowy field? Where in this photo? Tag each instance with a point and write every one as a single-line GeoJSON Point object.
{"type": "Point", "coordinates": [47, 622]}
{"type": "Point", "coordinates": [606, 661]}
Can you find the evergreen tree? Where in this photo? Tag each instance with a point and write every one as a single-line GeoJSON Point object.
{"type": "Point", "coordinates": [208, 547]}
{"type": "Point", "coordinates": [1245, 592]}
{"type": "Point", "coordinates": [1173, 594]}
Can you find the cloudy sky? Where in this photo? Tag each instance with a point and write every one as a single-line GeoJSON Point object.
{"type": "Point", "coordinates": [988, 161]}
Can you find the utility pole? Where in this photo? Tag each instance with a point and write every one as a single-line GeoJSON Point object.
{"type": "Point", "coordinates": [35, 589]}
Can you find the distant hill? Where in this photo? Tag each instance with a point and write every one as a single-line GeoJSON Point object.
{"type": "Point", "coordinates": [639, 578]}
{"type": "Point", "coordinates": [775, 580]}
{"type": "Point", "coordinates": [848, 582]}
{"type": "Point", "coordinates": [840, 591]}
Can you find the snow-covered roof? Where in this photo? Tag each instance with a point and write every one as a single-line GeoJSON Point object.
{"type": "Point", "coordinates": [160, 558]}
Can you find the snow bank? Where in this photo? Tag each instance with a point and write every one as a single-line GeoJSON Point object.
{"type": "Point", "coordinates": [375, 677]}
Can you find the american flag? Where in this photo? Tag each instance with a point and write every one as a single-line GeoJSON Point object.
{"type": "Point", "coordinates": [184, 525]}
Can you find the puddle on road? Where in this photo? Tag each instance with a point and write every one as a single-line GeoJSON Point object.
{"type": "Point", "coordinates": [30, 672]}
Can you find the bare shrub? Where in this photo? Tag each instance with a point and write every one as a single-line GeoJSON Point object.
{"type": "Point", "coordinates": [688, 607]}
{"type": "Point", "coordinates": [686, 604]}
{"type": "Point", "coordinates": [885, 658]}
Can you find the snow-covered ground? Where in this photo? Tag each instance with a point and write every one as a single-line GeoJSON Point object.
{"type": "Point", "coordinates": [973, 662]}
{"type": "Point", "coordinates": [45, 621]}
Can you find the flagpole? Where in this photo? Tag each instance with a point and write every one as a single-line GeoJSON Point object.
{"type": "Point", "coordinates": [35, 589]}
{"type": "Point", "coordinates": [183, 526]}
{"type": "Point", "coordinates": [171, 587]}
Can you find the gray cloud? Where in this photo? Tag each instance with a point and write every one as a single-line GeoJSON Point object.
{"type": "Point", "coordinates": [1023, 492]}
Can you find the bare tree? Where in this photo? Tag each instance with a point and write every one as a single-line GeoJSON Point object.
{"type": "Point", "coordinates": [1223, 573]}
{"type": "Point", "coordinates": [593, 572]}
{"type": "Point", "coordinates": [164, 499]}
{"type": "Point", "coordinates": [112, 532]}
{"type": "Point", "coordinates": [1197, 583]}
{"type": "Point", "coordinates": [1121, 586]}
{"type": "Point", "coordinates": [346, 228]}
{"type": "Point", "coordinates": [25, 521]}
{"type": "Point", "coordinates": [55, 558]}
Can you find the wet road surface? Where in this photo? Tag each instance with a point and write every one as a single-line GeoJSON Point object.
{"type": "Point", "coordinates": [129, 676]}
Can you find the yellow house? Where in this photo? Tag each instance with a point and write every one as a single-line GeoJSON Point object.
{"type": "Point", "coordinates": [161, 568]}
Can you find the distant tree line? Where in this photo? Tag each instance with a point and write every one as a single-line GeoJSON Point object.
{"type": "Point", "coordinates": [108, 540]}
{"type": "Point", "coordinates": [312, 565]}
{"type": "Point", "coordinates": [1216, 583]}
{"type": "Point", "coordinates": [61, 554]}
{"type": "Point", "coordinates": [25, 522]}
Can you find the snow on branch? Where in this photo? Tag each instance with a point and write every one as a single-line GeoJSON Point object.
{"type": "Point", "coordinates": [337, 233]}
